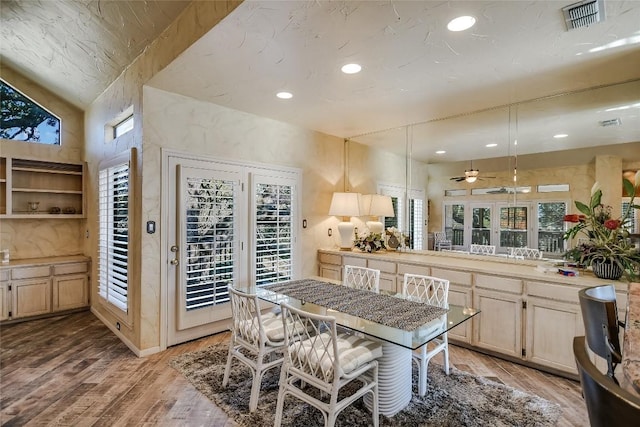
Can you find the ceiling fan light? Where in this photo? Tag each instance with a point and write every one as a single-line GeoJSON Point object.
{"type": "Point", "coordinates": [471, 179]}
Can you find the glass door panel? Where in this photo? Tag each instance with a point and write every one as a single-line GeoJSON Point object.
{"type": "Point", "coordinates": [551, 227]}
{"type": "Point", "coordinates": [454, 223]}
{"type": "Point", "coordinates": [481, 225]}
{"type": "Point", "coordinates": [514, 227]}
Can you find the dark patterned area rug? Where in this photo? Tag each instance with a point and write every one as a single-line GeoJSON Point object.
{"type": "Point", "coordinates": [460, 399]}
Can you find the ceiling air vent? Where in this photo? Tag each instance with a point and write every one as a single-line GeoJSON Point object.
{"type": "Point", "coordinates": [612, 122]}
{"type": "Point", "coordinates": [583, 14]}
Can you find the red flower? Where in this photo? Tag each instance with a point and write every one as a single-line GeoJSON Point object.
{"type": "Point", "coordinates": [612, 224]}
{"type": "Point", "coordinates": [571, 218]}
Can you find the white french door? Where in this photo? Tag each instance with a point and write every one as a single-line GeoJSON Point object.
{"type": "Point", "coordinates": [228, 224]}
{"type": "Point", "coordinates": [205, 246]}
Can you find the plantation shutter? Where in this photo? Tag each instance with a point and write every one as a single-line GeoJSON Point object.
{"type": "Point", "coordinates": [274, 243]}
{"type": "Point", "coordinates": [114, 235]}
{"type": "Point", "coordinates": [210, 250]}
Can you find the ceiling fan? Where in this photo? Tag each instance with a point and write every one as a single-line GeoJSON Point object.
{"type": "Point", "coordinates": [470, 175]}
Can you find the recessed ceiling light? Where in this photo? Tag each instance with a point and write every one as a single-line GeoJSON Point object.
{"type": "Point", "coordinates": [461, 23]}
{"type": "Point", "coordinates": [560, 135]}
{"type": "Point", "coordinates": [440, 152]}
{"type": "Point", "coordinates": [351, 68]}
{"type": "Point", "coordinates": [491, 145]}
{"type": "Point", "coordinates": [284, 95]}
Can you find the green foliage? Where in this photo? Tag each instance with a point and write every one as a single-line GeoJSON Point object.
{"type": "Point", "coordinates": [609, 240]}
{"type": "Point", "coordinates": [21, 118]}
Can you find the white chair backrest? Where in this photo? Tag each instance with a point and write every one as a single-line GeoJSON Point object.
{"type": "Point", "coordinates": [311, 345]}
{"type": "Point", "coordinates": [367, 279]}
{"type": "Point", "coordinates": [439, 235]}
{"type": "Point", "coordinates": [524, 252]}
{"type": "Point", "coordinates": [246, 320]}
{"type": "Point", "coordinates": [428, 289]}
{"type": "Point", "coordinates": [482, 249]}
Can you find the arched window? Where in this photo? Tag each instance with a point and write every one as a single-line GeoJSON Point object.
{"type": "Point", "coordinates": [25, 120]}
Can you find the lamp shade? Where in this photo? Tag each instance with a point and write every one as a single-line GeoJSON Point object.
{"type": "Point", "coordinates": [345, 204]}
{"type": "Point", "coordinates": [377, 205]}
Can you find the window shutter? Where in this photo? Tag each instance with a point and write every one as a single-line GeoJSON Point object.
{"type": "Point", "coordinates": [211, 215]}
{"type": "Point", "coordinates": [114, 235]}
{"type": "Point", "coordinates": [274, 203]}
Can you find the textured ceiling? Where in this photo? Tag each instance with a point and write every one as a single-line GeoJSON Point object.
{"type": "Point", "coordinates": [414, 70]}
{"type": "Point", "coordinates": [78, 48]}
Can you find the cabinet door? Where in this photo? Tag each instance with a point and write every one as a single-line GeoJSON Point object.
{"type": "Point", "coordinates": [460, 295]}
{"type": "Point", "coordinates": [70, 291]}
{"type": "Point", "coordinates": [330, 271]}
{"type": "Point", "coordinates": [31, 297]}
{"type": "Point", "coordinates": [4, 301]}
{"type": "Point", "coordinates": [388, 282]}
{"type": "Point", "coordinates": [498, 327]}
{"type": "Point", "coordinates": [551, 326]}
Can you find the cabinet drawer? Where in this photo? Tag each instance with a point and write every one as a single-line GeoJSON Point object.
{"type": "Point", "coordinates": [503, 284]}
{"type": "Point", "coordinates": [357, 262]}
{"type": "Point", "coordinates": [330, 259]}
{"type": "Point", "coordinates": [30, 272]}
{"type": "Point", "coordinates": [4, 275]}
{"type": "Point", "coordinates": [76, 267]}
{"type": "Point", "coordinates": [553, 291]}
{"type": "Point", "coordinates": [413, 269]}
{"type": "Point", "coordinates": [383, 266]}
{"type": "Point", "coordinates": [457, 277]}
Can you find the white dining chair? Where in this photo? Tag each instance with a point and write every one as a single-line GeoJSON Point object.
{"type": "Point", "coordinates": [364, 278]}
{"type": "Point", "coordinates": [524, 253]}
{"type": "Point", "coordinates": [257, 340]}
{"type": "Point", "coordinates": [440, 241]}
{"type": "Point", "coordinates": [433, 291]}
{"type": "Point", "coordinates": [318, 356]}
{"type": "Point", "coordinates": [482, 249]}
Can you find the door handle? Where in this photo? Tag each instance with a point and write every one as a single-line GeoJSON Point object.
{"type": "Point", "coordinates": [174, 248]}
{"type": "Point", "coordinates": [173, 262]}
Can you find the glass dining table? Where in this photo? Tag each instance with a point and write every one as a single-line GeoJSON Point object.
{"type": "Point", "coordinates": [398, 341]}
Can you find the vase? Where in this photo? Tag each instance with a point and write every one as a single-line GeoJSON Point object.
{"type": "Point", "coordinates": [607, 270]}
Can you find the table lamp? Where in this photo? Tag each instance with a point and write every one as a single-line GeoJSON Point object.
{"type": "Point", "coordinates": [375, 206]}
{"type": "Point", "coordinates": [345, 205]}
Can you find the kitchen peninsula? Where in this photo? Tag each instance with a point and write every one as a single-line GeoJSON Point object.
{"type": "Point", "coordinates": [526, 315]}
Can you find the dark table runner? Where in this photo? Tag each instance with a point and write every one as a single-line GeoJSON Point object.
{"type": "Point", "coordinates": [384, 309]}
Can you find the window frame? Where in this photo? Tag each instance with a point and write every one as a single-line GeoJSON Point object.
{"type": "Point", "coordinates": [124, 314]}
{"type": "Point", "coordinates": [58, 118]}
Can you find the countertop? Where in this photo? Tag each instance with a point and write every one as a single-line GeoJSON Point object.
{"type": "Point", "coordinates": [44, 261]}
{"type": "Point", "coordinates": [494, 265]}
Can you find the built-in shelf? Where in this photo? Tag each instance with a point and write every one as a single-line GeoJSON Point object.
{"type": "Point", "coordinates": [40, 190]}
{"type": "Point", "coordinates": [55, 186]}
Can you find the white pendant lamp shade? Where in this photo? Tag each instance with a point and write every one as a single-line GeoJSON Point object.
{"type": "Point", "coordinates": [345, 205]}
{"type": "Point", "coordinates": [376, 205]}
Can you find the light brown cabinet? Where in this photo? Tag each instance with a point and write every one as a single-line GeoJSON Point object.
{"type": "Point", "coordinates": [48, 285]}
{"type": "Point", "coordinates": [5, 296]}
{"type": "Point", "coordinates": [41, 189]}
{"type": "Point", "coordinates": [30, 297]}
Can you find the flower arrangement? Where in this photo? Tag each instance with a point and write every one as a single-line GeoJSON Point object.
{"type": "Point", "coordinates": [369, 242]}
{"type": "Point", "coordinates": [608, 238]}
{"type": "Point", "coordinates": [396, 239]}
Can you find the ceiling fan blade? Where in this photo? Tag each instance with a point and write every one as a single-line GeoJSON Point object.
{"type": "Point", "coordinates": [458, 178]}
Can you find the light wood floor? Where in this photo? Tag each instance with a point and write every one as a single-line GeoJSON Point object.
{"type": "Point", "coordinates": [72, 370]}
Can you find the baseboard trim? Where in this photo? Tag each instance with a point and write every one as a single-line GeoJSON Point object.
{"type": "Point", "coordinates": [138, 352]}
